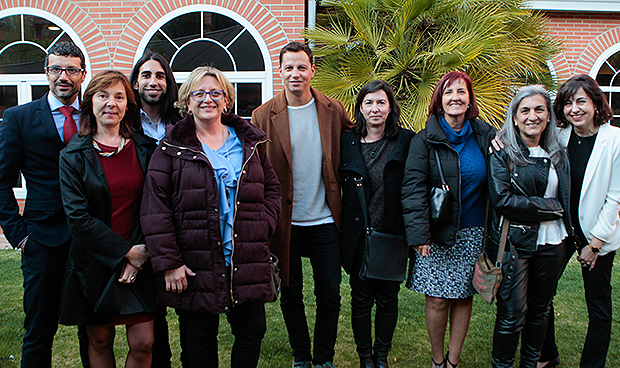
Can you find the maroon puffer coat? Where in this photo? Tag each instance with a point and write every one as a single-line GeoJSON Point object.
{"type": "Point", "coordinates": [181, 222]}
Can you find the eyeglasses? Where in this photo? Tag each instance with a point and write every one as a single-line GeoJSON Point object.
{"type": "Point", "coordinates": [200, 96]}
{"type": "Point", "coordinates": [55, 70]}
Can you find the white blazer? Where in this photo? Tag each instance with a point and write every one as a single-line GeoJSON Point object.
{"type": "Point", "coordinates": [599, 200]}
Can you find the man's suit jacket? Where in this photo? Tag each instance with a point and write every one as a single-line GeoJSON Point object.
{"type": "Point", "coordinates": [29, 142]}
{"type": "Point", "coordinates": [272, 117]}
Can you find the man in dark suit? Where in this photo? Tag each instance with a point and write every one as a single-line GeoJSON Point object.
{"type": "Point", "coordinates": [31, 137]}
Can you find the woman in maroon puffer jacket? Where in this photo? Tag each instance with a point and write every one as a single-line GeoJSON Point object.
{"type": "Point", "coordinates": [211, 200]}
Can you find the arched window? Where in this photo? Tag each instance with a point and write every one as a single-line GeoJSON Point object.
{"type": "Point", "coordinates": [608, 77]}
{"type": "Point", "coordinates": [24, 41]}
{"type": "Point", "coordinates": [203, 37]}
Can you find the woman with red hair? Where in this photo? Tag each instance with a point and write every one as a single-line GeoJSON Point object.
{"type": "Point", "coordinates": [454, 145]}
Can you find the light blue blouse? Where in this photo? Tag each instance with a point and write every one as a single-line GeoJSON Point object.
{"type": "Point", "coordinates": [226, 162]}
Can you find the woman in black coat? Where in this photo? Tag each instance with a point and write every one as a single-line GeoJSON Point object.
{"type": "Point", "coordinates": [375, 151]}
{"type": "Point", "coordinates": [109, 280]}
{"type": "Point", "coordinates": [529, 184]}
{"type": "Point", "coordinates": [448, 246]}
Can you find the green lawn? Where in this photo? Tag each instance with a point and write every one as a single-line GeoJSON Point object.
{"type": "Point", "coordinates": [411, 347]}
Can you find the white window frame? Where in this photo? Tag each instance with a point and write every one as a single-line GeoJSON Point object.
{"type": "Point", "coordinates": [264, 78]}
{"type": "Point", "coordinates": [24, 82]}
{"type": "Point", "coordinates": [598, 64]}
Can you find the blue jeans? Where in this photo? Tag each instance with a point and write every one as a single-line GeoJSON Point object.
{"type": "Point", "coordinates": [322, 244]}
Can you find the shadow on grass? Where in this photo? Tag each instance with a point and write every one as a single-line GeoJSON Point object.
{"type": "Point", "coordinates": [411, 347]}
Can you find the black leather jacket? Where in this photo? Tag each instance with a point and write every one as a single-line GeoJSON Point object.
{"type": "Point", "coordinates": [519, 195]}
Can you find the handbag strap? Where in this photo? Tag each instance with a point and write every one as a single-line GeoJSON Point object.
{"type": "Point", "coordinates": [444, 185]}
{"type": "Point", "coordinates": [502, 241]}
{"type": "Point", "coordinates": [505, 227]}
{"type": "Point", "coordinates": [362, 198]}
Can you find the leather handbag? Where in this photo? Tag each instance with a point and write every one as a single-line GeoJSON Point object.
{"type": "Point", "coordinates": [276, 281]}
{"type": "Point", "coordinates": [438, 197]}
{"type": "Point", "coordinates": [385, 255]}
{"type": "Point", "coordinates": [488, 276]}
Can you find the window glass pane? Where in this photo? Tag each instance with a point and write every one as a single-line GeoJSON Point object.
{"type": "Point", "coordinates": [183, 28]}
{"type": "Point", "coordinates": [220, 27]}
{"type": "Point", "coordinates": [247, 54]}
{"type": "Point", "coordinates": [248, 98]}
{"type": "Point", "coordinates": [603, 78]}
{"type": "Point", "coordinates": [162, 46]}
{"type": "Point", "coordinates": [40, 31]}
{"type": "Point", "coordinates": [10, 29]}
{"type": "Point", "coordinates": [614, 101]}
{"type": "Point", "coordinates": [614, 60]}
{"type": "Point", "coordinates": [22, 59]}
{"type": "Point", "coordinates": [39, 91]}
{"type": "Point", "coordinates": [201, 53]}
{"type": "Point", "coordinates": [8, 98]}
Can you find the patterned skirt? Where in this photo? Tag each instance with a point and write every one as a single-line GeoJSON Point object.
{"type": "Point", "coordinates": [447, 272]}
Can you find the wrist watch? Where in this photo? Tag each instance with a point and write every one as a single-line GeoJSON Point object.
{"type": "Point", "coordinates": [594, 249]}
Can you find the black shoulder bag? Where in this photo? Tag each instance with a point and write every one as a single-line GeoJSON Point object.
{"type": "Point", "coordinates": [438, 197]}
{"type": "Point", "coordinates": [385, 255]}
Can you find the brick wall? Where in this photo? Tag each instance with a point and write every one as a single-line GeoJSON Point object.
{"type": "Point", "coordinates": [585, 37]}
{"type": "Point", "coordinates": [112, 29]}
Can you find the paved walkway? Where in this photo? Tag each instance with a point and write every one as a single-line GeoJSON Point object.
{"type": "Point", "coordinates": [4, 244]}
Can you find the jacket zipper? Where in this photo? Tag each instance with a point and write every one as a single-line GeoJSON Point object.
{"type": "Point", "coordinates": [232, 268]}
{"type": "Point", "coordinates": [232, 298]}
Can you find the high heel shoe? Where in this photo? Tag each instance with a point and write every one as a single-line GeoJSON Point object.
{"type": "Point", "coordinates": [448, 362]}
{"type": "Point", "coordinates": [554, 363]}
{"type": "Point", "coordinates": [438, 365]}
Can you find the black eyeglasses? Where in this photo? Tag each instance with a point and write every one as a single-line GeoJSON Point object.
{"type": "Point", "coordinates": [200, 96]}
{"type": "Point", "coordinates": [55, 70]}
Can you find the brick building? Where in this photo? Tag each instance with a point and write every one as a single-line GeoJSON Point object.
{"type": "Point", "coordinates": [240, 37]}
{"type": "Point", "coordinates": [590, 31]}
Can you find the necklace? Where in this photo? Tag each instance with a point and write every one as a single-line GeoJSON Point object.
{"type": "Point", "coordinates": [109, 154]}
{"type": "Point", "coordinates": [373, 146]}
{"type": "Point", "coordinates": [580, 138]}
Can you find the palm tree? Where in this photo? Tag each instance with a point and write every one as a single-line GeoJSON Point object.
{"type": "Point", "coordinates": [501, 44]}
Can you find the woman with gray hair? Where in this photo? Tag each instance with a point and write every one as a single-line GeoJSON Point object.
{"type": "Point", "coordinates": [529, 184]}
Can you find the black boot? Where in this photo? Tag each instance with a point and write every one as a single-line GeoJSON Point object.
{"type": "Point", "coordinates": [381, 359]}
{"type": "Point", "coordinates": [366, 362]}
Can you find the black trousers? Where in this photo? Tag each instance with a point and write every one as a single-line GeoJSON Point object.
{"type": "Point", "coordinates": [322, 244]}
{"type": "Point", "coordinates": [523, 314]}
{"type": "Point", "coordinates": [43, 269]}
{"type": "Point", "coordinates": [597, 284]}
{"type": "Point", "coordinates": [364, 294]}
{"type": "Point", "coordinates": [199, 331]}
{"type": "Point", "coordinates": [550, 350]}
{"type": "Point", "coordinates": [161, 340]}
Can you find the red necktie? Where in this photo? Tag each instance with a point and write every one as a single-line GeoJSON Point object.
{"type": "Point", "coordinates": [69, 128]}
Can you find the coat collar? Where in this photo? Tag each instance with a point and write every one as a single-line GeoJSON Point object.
{"type": "Point", "coordinates": [481, 130]}
{"type": "Point", "coordinates": [279, 120]}
{"type": "Point", "coordinates": [183, 133]}
{"type": "Point", "coordinates": [595, 157]}
{"type": "Point", "coordinates": [44, 113]}
{"type": "Point", "coordinates": [352, 155]}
